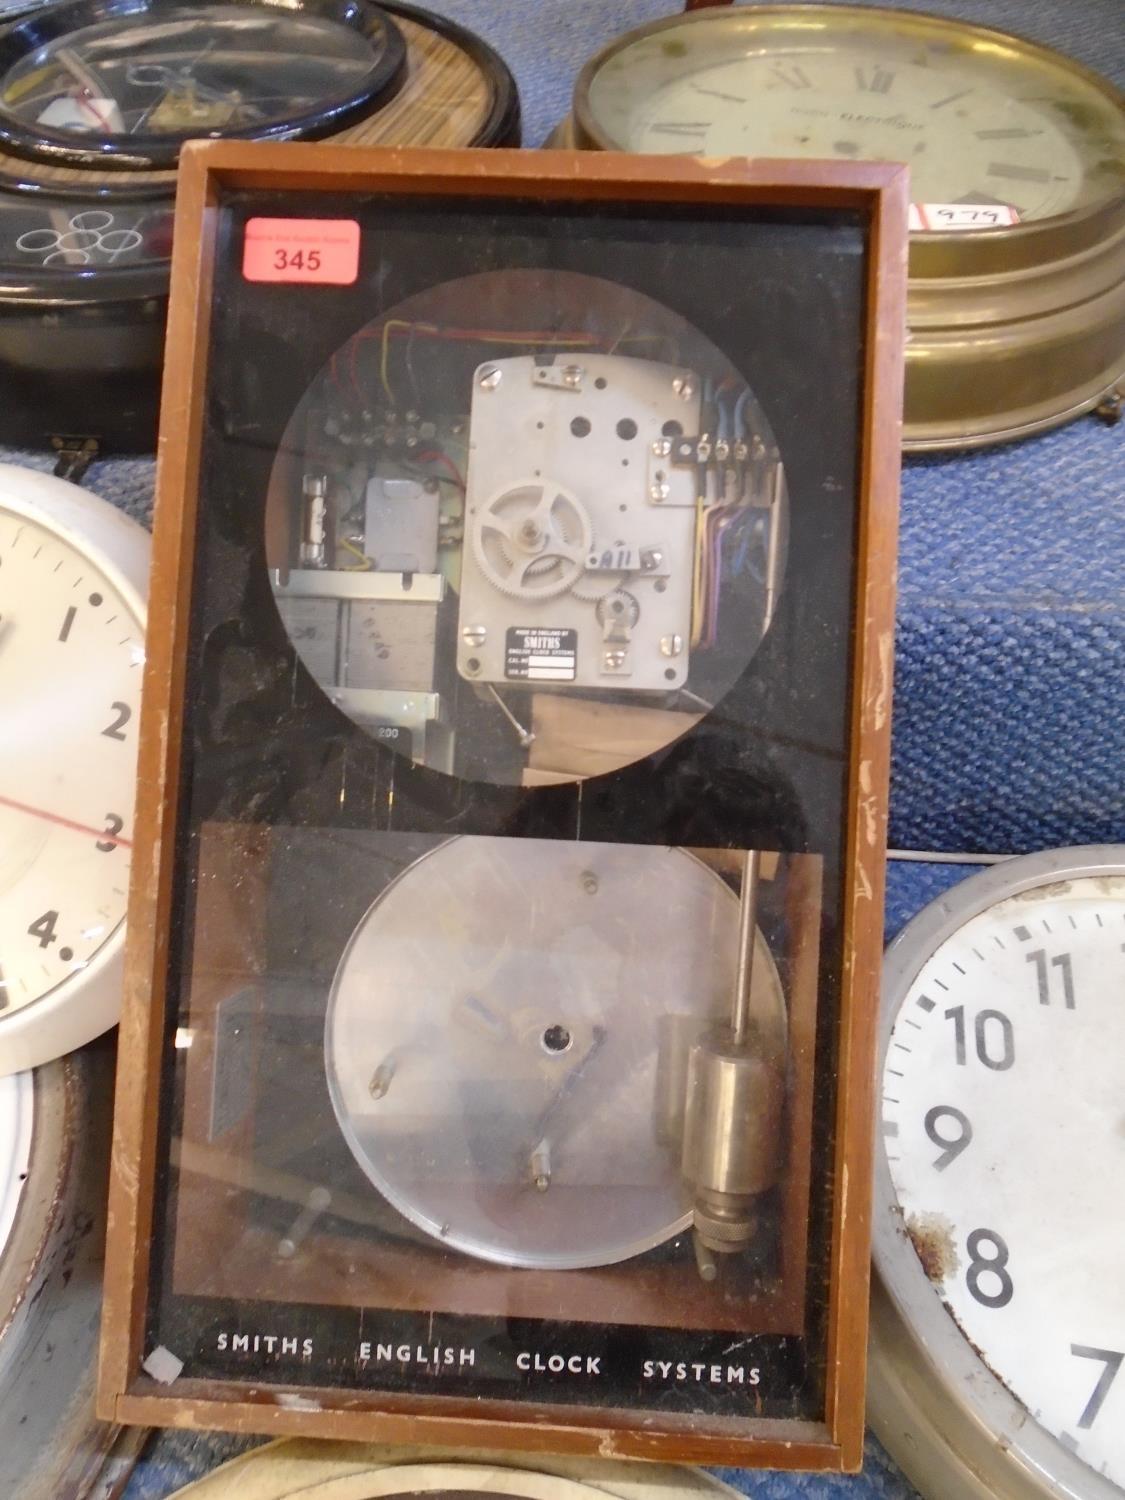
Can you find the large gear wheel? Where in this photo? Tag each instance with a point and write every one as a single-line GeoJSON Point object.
{"type": "Point", "coordinates": [532, 541]}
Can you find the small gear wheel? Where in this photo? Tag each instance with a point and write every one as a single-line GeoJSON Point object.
{"type": "Point", "coordinates": [618, 607]}
{"type": "Point", "coordinates": [532, 541]}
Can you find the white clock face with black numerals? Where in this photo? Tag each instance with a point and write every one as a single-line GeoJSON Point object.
{"type": "Point", "coordinates": [832, 105]}
{"type": "Point", "coordinates": [980, 118]}
{"type": "Point", "coordinates": [71, 659]}
{"type": "Point", "coordinates": [1003, 1109]}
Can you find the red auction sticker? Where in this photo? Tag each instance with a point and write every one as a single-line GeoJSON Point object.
{"type": "Point", "coordinates": [321, 252]}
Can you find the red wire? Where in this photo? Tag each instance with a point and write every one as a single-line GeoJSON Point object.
{"type": "Point", "coordinates": [433, 455]}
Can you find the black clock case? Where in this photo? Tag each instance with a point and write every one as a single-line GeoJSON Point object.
{"type": "Point", "coordinates": [81, 354]}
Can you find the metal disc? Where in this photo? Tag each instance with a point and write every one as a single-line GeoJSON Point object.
{"type": "Point", "coordinates": [498, 1029]}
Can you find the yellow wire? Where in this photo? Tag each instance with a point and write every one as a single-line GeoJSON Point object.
{"type": "Point", "coordinates": [387, 326]}
{"type": "Point", "coordinates": [697, 591]}
{"type": "Point", "coordinates": [574, 341]}
{"type": "Point", "coordinates": [365, 561]}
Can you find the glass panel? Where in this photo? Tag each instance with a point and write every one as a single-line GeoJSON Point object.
{"type": "Point", "coordinates": [187, 70]}
{"type": "Point", "coordinates": [507, 948]}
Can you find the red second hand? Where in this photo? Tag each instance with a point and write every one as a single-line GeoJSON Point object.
{"type": "Point", "coordinates": [50, 817]}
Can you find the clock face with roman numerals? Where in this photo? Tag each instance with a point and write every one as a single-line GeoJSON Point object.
{"type": "Point", "coordinates": [981, 119]}
{"type": "Point", "coordinates": [1003, 1126]}
{"type": "Point", "coordinates": [71, 658]}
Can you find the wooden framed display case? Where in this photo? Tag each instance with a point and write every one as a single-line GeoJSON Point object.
{"type": "Point", "coordinates": [505, 924]}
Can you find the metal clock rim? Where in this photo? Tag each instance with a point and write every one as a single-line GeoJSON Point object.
{"type": "Point", "coordinates": [390, 1471]}
{"type": "Point", "coordinates": [123, 153]}
{"type": "Point", "coordinates": [501, 127]}
{"type": "Point", "coordinates": [71, 1014]}
{"type": "Point", "coordinates": [749, 18]}
{"type": "Point", "coordinates": [53, 1089]}
{"type": "Point", "coordinates": [906, 1307]}
{"type": "Point", "coordinates": [50, 1290]}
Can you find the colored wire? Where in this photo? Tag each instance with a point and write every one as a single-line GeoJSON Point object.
{"type": "Point", "coordinates": [435, 456]}
{"type": "Point", "coordinates": [365, 564]}
{"type": "Point", "coordinates": [517, 337]}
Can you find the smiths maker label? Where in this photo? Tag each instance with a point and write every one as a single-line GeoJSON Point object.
{"type": "Point", "coordinates": [533, 653]}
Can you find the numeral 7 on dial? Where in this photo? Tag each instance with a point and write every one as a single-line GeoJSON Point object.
{"type": "Point", "coordinates": [1112, 1361]}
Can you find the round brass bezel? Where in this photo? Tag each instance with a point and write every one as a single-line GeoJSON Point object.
{"type": "Point", "coordinates": [1011, 330]}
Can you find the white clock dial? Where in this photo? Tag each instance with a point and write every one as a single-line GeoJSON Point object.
{"type": "Point", "coordinates": [979, 117]}
{"type": "Point", "coordinates": [71, 659]}
{"type": "Point", "coordinates": [961, 141]}
{"type": "Point", "coordinates": [1003, 1127]}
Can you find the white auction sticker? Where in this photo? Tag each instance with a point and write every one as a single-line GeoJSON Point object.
{"type": "Point", "coordinates": [962, 215]}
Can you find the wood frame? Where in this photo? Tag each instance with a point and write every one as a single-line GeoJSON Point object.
{"type": "Point", "coordinates": [126, 1395]}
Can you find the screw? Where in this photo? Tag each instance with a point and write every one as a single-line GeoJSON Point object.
{"type": "Point", "coordinates": [662, 448]}
{"type": "Point", "coordinates": [671, 645]}
{"type": "Point", "coordinates": [541, 1166]}
{"type": "Point", "coordinates": [613, 660]}
{"type": "Point", "coordinates": [381, 1079]}
{"type": "Point", "coordinates": [650, 559]}
{"type": "Point", "coordinates": [474, 635]}
{"type": "Point", "coordinates": [589, 882]}
{"type": "Point", "coordinates": [572, 376]}
{"type": "Point", "coordinates": [658, 492]}
{"type": "Point", "coordinates": [683, 388]}
{"type": "Point", "coordinates": [490, 378]}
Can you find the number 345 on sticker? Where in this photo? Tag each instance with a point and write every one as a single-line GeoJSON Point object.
{"type": "Point", "coordinates": [322, 252]}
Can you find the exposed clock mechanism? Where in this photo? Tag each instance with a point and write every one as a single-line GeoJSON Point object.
{"type": "Point", "coordinates": [475, 566]}
{"type": "Point", "coordinates": [579, 570]}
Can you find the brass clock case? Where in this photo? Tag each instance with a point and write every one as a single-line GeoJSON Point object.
{"type": "Point", "coordinates": [1011, 329]}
